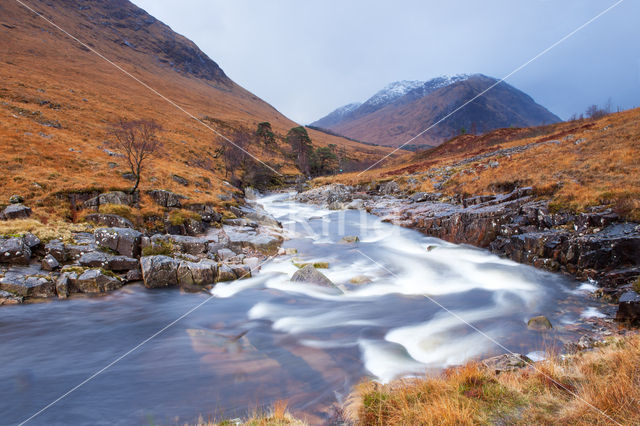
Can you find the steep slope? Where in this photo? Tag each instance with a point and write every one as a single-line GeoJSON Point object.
{"type": "Point", "coordinates": [57, 100]}
{"type": "Point", "coordinates": [397, 119]}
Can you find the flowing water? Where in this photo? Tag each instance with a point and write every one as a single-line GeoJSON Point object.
{"type": "Point", "coordinates": [265, 339]}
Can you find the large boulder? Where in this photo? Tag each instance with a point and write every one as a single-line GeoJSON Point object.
{"type": "Point", "coordinates": [27, 286]}
{"type": "Point", "coordinates": [539, 323]}
{"type": "Point", "coordinates": [16, 211]}
{"type": "Point", "coordinates": [109, 220]}
{"type": "Point", "coordinates": [182, 243]}
{"type": "Point", "coordinates": [98, 259]}
{"type": "Point", "coordinates": [309, 274]}
{"type": "Point", "coordinates": [124, 241]}
{"type": "Point", "coordinates": [159, 271]}
{"type": "Point", "coordinates": [96, 281]}
{"type": "Point", "coordinates": [225, 273]}
{"type": "Point", "coordinates": [14, 251]}
{"type": "Point", "coordinates": [115, 197]}
{"type": "Point", "coordinates": [166, 198]}
{"type": "Point", "coordinates": [7, 298]}
{"type": "Point", "coordinates": [246, 237]}
{"type": "Point", "coordinates": [57, 249]}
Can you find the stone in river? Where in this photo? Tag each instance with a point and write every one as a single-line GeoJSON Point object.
{"type": "Point", "coordinates": [539, 323]}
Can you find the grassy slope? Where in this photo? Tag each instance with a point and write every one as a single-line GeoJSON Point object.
{"type": "Point", "coordinates": [47, 79]}
{"type": "Point", "coordinates": [602, 168]}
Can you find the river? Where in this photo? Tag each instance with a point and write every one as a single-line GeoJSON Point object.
{"type": "Point", "coordinates": [263, 339]}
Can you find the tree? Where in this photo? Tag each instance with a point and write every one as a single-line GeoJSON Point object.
{"type": "Point", "coordinates": [137, 139]}
{"type": "Point", "coordinates": [265, 134]}
{"type": "Point", "coordinates": [324, 161]}
{"type": "Point", "coordinates": [300, 143]}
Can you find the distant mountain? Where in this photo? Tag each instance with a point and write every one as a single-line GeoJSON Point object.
{"type": "Point", "coordinates": [403, 109]}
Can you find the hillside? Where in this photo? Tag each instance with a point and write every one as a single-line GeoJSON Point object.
{"type": "Point", "coordinates": [58, 99]}
{"type": "Point", "coordinates": [577, 164]}
{"type": "Point", "coordinates": [402, 110]}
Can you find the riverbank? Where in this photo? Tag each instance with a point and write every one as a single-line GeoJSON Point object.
{"type": "Point", "coordinates": [596, 246]}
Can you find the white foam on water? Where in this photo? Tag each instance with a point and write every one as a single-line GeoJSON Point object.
{"type": "Point", "coordinates": [536, 356]}
{"type": "Point", "coordinates": [387, 363]}
{"type": "Point", "coordinates": [587, 286]}
{"type": "Point", "coordinates": [592, 312]}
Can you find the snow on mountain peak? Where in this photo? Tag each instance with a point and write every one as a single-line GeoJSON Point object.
{"type": "Point", "coordinates": [394, 91]}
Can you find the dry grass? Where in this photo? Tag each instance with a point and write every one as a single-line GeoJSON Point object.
{"type": "Point", "coordinates": [605, 380]}
{"type": "Point", "coordinates": [277, 416]}
{"type": "Point", "coordinates": [46, 232]}
{"type": "Point", "coordinates": [594, 163]}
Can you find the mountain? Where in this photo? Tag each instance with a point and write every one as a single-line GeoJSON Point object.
{"type": "Point", "coordinates": [403, 109]}
{"type": "Point", "coordinates": [58, 99]}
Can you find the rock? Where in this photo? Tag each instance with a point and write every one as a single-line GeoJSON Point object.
{"type": "Point", "coordinates": [49, 263]}
{"type": "Point", "coordinates": [31, 241]}
{"type": "Point", "coordinates": [75, 251]}
{"type": "Point", "coordinates": [56, 249]}
{"type": "Point", "coordinates": [129, 176]}
{"type": "Point", "coordinates": [14, 251]}
{"type": "Point", "coordinates": [360, 279]}
{"type": "Point", "coordinates": [206, 212]}
{"type": "Point", "coordinates": [506, 362]}
{"type": "Point", "coordinates": [122, 263]}
{"type": "Point", "coordinates": [93, 259]}
{"type": "Point", "coordinates": [493, 164]}
{"type": "Point", "coordinates": [183, 243]}
{"type": "Point", "coordinates": [241, 271]}
{"type": "Point", "coordinates": [96, 281]}
{"type": "Point", "coordinates": [629, 307]}
{"type": "Point", "coordinates": [318, 265]}
{"type": "Point", "coordinates": [63, 284]}
{"type": "Point", "coordinates": [134, 275]}
{"type": "Point", "coordinates": [197, 274]}
{"type": "Point", "coordinates": [539, 323]}
{"type": "Point", "coordinates": [109, 220]}
{"type": "Point", "coordinates": [311, 275]}
{"type": "Point", "coordinates": [16, 199]}
{"type": "Point", "coordinates": [7, 298]}
{"type": "Point", "coordinates": [115, 197]}
{"type": "Point", "coordinates": [16, 211]}
{"type": "Point", "coordinates": [225, 273]}
{"type": "Point", "coordinates": [124, 241]}
{"type": "Point", "coordinates": [166, 198]}
{"type": "Point", "coordinates": [225, 253]}
{"type": "Point", "coordinates": [27, 286]}
{"type": "Point", "coordinates": [389, 188]}
{"type": "Point", "coordinates": [350, 239]}
{"type": "Point", "coordinates": [259, 240]}
{"type": "Point", "coordinates": [159, 271]}
{"type": "Point", "coordinates": [180, 180]}
{"type": "Point", "coordinates": [253, 263]}
{"type": "Point", "coordinates": [356, 204]}
{"type": "Point", "coordinates": [262, 218]}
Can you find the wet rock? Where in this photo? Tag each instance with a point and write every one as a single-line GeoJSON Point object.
{"type": "Point", "coordinates": [245, 237]}
{"type": "Point", "coordinates": [225, 273]}
{"type": "Point", "coordinates": [94, 259]}
{"type": "Point", "coordinates": [629, 307]}
{"type": "Point", "coordinates": [360, 279]}
{"type": "Point", "coordinates": [196, 274]}
{"type": "Point", "coordinates": [7, 298]}
{"type": "Point", "coordinates": [166, 198]}
{"type": "Point", "coordinates": [350, 239]}
{"type": "Point", "coordinates": [262, 218]}
{"type": "Point", "coordinates": [124, 241]}
{"type": "Point", "coordinates": [14, 251]}
{"type": "Point", "coordinates": [56, 249]}
{"type": "Point", "coordinates": [109, 220]}
{"type": "Point", "coordinates": [251, 194]}
{"type": "Point", "coordinates": [309, 274]}
{"type": "Point", "coordinates": [327, 194]}
{"type": "Point", "coordinates": [356, 204]}
{"type": "Point", "coordinates": [115, 197]}
{"type": "Point", "coordinates": [183, 243]}
{"type": "Point", "coordinates": [49, 263]}
{"type": "Point", "coordinates": [225, 254]}
{"type": "Point", "coordinates": [241, 271]}
{"type": "Point", "coordinates": [122, 263]}
{"type": "Point", "coordinates": [134, 275]}
{"type": "Point", "coordinates": [539, 323]}
{"type": "Point", "coordinates": [63, 284]}
{"type": "Point", "coordinates": [506, 362]}
{"type": "Point", "coordinates": [27, 286]}
{"type": "Point", "coordinates": [253, 263]}
{"type": "Point", "coordinates": [159, 271]}
{"type": "Point", "coordinates": [96, 281]}
{"type": "Point", "coordinates": [16, 211]}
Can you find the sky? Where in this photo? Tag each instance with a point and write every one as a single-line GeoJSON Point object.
{"type": "Point", "coordinates": [306, 58]}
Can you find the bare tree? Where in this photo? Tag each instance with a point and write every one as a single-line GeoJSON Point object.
{"type": "Point", "coordinates": [137, 139]}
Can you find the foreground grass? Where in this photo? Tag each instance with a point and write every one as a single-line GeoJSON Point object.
{"type": "Point", "coordinates": [46, 232]}
{"type": "Point", "coordinates": [597, 387]}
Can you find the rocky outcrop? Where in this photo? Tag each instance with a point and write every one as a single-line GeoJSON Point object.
{"type": "Point", "coordinates": [164, 271]}
{"type": "Point", "coordinates": [629, 307]}
{"type": "Point", "coordinates": [159, 271]}
{"type": "Point", "coordinates": [166, 198]}
{"type": "Point", "coordinates": [96, 281]}
{"type": "Point", "coordinates": [15, 211]}
{"type": "Point", "coordinates": [115, 197]}
{"type": "Point", "coordinates": [124, 241]}
{"type": "Point", "coordinates": [25, 286]}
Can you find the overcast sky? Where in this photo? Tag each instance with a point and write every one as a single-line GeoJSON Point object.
{"type": "Point", "coordinates": [307, 58]}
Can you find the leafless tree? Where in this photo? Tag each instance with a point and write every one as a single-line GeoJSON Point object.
{"type": "Point", "coordinates": [137, 139]}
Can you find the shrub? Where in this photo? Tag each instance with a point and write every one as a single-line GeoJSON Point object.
{"type": "Point", "coordinates": [179, 217]}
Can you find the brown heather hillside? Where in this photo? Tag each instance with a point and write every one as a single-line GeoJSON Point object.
{"type": "Point", "coordinates": [577, 164]}
{"type": "Point", "coordinates": [57, 100]}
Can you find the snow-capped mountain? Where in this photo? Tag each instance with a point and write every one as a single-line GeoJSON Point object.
{"type": "Point", "coordinates": [404, 108]}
